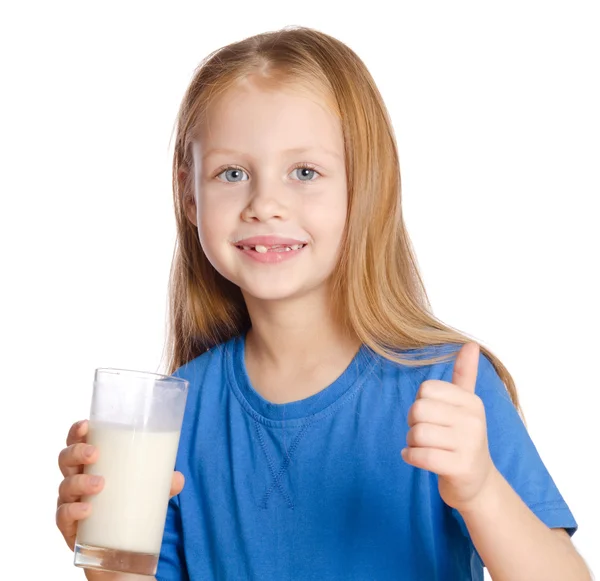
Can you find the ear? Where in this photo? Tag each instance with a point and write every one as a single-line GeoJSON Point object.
{"type": "Point", "coordinates": [186, 190]}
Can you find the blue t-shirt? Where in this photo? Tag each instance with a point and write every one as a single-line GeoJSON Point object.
{"type": "Point", "coordinates": [317, 490]}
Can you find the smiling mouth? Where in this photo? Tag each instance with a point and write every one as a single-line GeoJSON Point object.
{"type": "Point", "coordinates": [261, 249]}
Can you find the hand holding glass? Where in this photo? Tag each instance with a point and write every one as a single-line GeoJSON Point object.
{"type": "Point", "coordinates": [135, 422]}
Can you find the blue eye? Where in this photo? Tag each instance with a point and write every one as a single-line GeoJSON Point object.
{"type": "Point", "coordinates": [305, 173]}
{"type": "Point", "coordinates": [232, 174]}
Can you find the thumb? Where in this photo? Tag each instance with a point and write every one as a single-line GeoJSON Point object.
{"type": "Point", "coordinates": [465, 367]}
{"type": "Point", "coordinates": [177, 484]}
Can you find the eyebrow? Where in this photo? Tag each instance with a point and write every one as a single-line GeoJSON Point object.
{"type": "Point", "coordinates": [295, 150]}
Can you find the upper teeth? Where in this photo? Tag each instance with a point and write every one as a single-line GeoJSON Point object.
{"type": "Point", "coordinates": [262, 249]}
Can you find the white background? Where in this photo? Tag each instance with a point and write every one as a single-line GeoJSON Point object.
{"type": "Point", "coordinates": [496, 113]}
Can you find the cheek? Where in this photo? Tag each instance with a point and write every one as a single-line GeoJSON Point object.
{"type": "Point", "coordinates": [333, 216]}
{"type": "Point", "coordinates": [215, 216]}
{"type": "Point", "coordinates": [210, 232]}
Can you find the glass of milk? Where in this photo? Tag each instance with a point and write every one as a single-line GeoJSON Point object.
{"type": "Point", "coordinates": [135, 421]}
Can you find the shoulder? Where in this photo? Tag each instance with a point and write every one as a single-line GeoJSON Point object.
{"type": "Point", "coordinates": [196, 370]}
{"type": "Point", "coordinates": [406, 369]}
{"type": "Point", "coordinates": [412, 368]}
{"type": "Point", "coordinates": [431, 362]}
{"type": "Point", "coordinates": [444, 367]}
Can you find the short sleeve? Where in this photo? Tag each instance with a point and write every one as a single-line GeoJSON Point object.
{"type": "Point", "coordinates": [515, 455]}
{"type": "Point", "coordinates": [171, 564]}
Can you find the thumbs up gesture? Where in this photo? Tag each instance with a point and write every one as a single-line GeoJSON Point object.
{"type": "Point", "coordinates": [448, 433]}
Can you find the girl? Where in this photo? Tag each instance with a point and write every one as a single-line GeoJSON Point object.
{"type": "Point", "coordinates": [334, 428]}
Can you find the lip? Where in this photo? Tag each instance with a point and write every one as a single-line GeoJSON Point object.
{"type": "Point", "coordinates": [270, 257]}
{"type": "Point", "coordinates": [268, 241]}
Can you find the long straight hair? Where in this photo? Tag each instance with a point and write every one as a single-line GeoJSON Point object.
{"type": "Point", "coordinates": [380, 295]}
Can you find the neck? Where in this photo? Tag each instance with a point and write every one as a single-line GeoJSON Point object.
{"type": "Point", "coordinates": [297, 344]}
{"type": "Point", "coordinates": [294, 330]}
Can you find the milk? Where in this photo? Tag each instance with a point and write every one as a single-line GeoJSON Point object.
{"type": "Point", "coordinates": [137, 465]}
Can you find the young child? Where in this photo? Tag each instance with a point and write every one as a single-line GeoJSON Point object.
{"type": "Point", "coordinates": [334, 428]}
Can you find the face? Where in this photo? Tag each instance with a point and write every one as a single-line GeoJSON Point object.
{"type": "Point", "coordinates": [270, 193]}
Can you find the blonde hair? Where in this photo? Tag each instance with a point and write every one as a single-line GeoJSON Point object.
{"type": "Point", "coordinates": [380, 296]}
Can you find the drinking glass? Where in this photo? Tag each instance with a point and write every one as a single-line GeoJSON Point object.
{"type": "Point", "coordinates": [135, 423]}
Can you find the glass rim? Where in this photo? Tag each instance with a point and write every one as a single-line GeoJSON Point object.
{"type": "Point", "coordinates": [140, 374]}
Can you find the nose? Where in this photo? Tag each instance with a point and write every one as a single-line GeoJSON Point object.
{"type": "Point", "coordinates": [266, 202]}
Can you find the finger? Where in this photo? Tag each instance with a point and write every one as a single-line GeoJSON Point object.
{"type": "Point", "coordinates": [77, 432]}
{"type": "Point", "coordinates": [444, 391]}
{"type": "Point", "coordinates": [67, 516]}
{"type": "Point", "coordinates": [424, 435]}
{"type": "Point", "coordinates": [177, 483]}
{"type": "Point", "coordinates": [432, 459]}
{"type": "Point", "coordinates": [465, 367]}
{"type": "Point", "coordinates": [431, 411]}
{"type": "Point", "coordinates": [72, 488]}
{"type": "Point", "coordinates": [72, 459]}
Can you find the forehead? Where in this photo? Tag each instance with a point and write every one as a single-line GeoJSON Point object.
{"type": "Point", "coordinates": [261, 118]}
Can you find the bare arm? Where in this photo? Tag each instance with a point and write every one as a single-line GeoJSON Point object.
{"type": "Point", "coordinates": [514, 544]}
{"type": "Point", "coordinates": [448, 436]}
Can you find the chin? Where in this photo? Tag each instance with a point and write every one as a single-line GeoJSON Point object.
{"type": "Point", "coordinates": [271, 294]}
{"type": "Point", "coordinates": [275, 292]}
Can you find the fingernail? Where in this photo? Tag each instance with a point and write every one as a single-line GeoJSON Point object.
{"type": "Point", "coordinates": [95, 480]}
{"type": "Point", "coordinates": [85, 506]}
{"type": "Point", "coordinates": [89, 450]}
